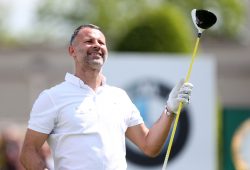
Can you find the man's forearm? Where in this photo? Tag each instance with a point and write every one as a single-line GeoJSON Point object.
{"type": "Point", "coordinates": [158, 133]}
{"type": "Point", "coordinates": [31, 160]}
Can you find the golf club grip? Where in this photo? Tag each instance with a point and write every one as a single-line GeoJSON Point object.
{"type": "Point", "coordinates": [180, 106]}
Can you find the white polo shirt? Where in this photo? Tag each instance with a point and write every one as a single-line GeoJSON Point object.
{"type": "Point", "coordinates": [87, 128]}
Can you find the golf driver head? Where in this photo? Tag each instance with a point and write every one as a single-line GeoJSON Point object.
{"type": "Point", "coordinates": [203, 19]}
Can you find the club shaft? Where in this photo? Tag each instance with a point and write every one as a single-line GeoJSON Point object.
{"type": "Point", "coordinates": [192, 59]}
{"type": "Point", "coordinates": [180, 106]}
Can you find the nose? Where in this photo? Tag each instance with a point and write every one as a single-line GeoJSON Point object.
{"type": "Point", "coordinates": [96, 45]}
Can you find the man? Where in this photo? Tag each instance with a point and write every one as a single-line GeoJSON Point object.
{"type": "Point", "coordinates": [86, 121]}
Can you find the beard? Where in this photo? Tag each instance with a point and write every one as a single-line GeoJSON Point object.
{"type": "Point", "coordinates": [95, 61]}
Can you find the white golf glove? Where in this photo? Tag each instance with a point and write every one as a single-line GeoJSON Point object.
{"type": "Point", "coordinates": [180, 93]}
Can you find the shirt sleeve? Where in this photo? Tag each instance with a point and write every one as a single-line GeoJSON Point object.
{"type": "Point", "coordinates": [43, 114]}
{"type": "Point", "coordinates": [134, 114]}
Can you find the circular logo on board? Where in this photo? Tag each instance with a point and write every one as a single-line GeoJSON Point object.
{"type": "Point", "coordinates": [150, 97]}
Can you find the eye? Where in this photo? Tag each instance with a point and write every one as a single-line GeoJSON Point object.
{"type": "Point", "coordinates": [101, 42]}
{"type": "Point", "coordinates": [87, 41]}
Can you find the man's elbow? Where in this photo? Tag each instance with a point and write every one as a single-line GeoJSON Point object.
{"type": "Point", "coordinates": [150, 152]}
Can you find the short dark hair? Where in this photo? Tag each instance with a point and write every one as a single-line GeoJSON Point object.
{"type": "Point", "coordinates": [73, 36]}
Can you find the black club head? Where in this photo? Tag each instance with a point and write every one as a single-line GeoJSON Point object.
{"type": "Point", "coordinates": [203, 19]}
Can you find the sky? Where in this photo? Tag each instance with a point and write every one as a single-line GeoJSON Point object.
{"type": "Point", "coordinates": [21, 14]}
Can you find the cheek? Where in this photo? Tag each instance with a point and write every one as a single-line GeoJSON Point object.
{"type": "Point", "coordinates": [80, 51]}
{"type": "Point", "coordinates": [105, 51]}
{"type": "Point", "coordinates": [105, 57]}
{"type": "Point", "coordinates": [80, 55]}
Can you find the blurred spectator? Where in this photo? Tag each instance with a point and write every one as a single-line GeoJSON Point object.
{"type": "Point", "coordinates": [11, 138]}
{"type": "Point", "coordinates": [11, 141]}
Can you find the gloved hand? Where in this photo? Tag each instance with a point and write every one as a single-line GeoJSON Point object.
{"type": "Point", "coordinates": [180, 93]}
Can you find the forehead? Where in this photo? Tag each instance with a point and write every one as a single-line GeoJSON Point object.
{"type": "Point", "coordinates": [91, 33]}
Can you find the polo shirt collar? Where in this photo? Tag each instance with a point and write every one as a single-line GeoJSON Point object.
{"type": "Point", "coordinates": [77, 81]}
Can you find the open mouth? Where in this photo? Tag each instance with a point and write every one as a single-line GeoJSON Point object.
{"type": "Point", "coordinates": [95, 55]}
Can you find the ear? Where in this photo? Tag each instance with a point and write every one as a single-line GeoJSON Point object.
{"type": "Point", "coordinates": [71, 51]}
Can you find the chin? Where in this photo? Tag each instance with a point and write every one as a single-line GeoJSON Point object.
{"type": "Point", "coordinates": [97, 66]}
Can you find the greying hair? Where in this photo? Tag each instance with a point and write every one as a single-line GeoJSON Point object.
{"type": "Point", "coordinates": [81, 27]}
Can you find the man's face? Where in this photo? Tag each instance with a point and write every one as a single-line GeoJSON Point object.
{"type": "Point", "coordinates": [89, 49]}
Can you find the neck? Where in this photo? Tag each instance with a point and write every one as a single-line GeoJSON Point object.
{"type": "Point", "coordinates": [92, 78]}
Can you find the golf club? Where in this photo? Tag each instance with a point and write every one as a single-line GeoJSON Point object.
{"type": "Point", "coordinates": [202, 20]}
